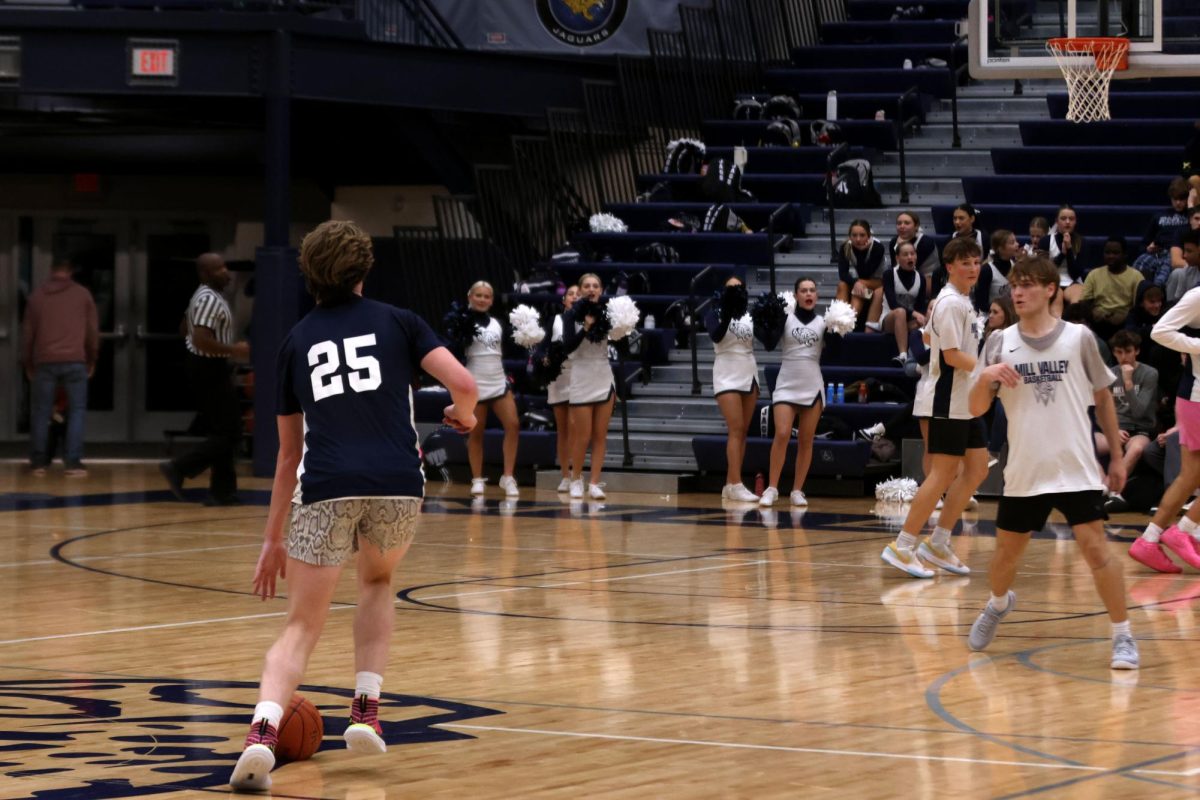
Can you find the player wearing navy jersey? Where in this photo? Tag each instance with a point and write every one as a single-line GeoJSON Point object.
{"type": "Point", "coordinates": [349, 473]}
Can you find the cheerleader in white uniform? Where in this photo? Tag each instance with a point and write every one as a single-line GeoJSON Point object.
{"type": "Point", "coordinates": [485, 365]}
{"type": "Point", "coordinates": [591, 393]}
{"type": "Point", "coordinates": [797, 398]}
{"type": "Point", "coordinates": [558, 395]}
{"type": "Point", "coordinates": [735, 380]}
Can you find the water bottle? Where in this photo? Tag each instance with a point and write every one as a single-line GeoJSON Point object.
{"type": "Point", "coordinates": [829, 394]}
{"type": "Point", "coordinates": [649, 323]}
{"type": "Point", "coordinates": [759, 484]}
{"type": "Point", "coordinates": [831, 105]}
{"type": "Point", "coordinates": [908, 63]}
{"type": "Point", "coordinates": [841, 394]}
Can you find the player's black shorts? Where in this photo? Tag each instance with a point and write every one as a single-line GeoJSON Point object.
{"type": "Point", "coordinates": [954, 437]}
{"type": "Point", "coordinates": [1029, 514]}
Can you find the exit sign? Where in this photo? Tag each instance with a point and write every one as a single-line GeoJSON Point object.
{"type": "Point", "coordinates": [153, 61]}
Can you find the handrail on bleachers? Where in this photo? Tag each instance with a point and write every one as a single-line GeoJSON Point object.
{"type": "Point", "coordinates": [693, 315]}
{"type": "Point", "coordinates": [902, 128]}
{"type": "Point", "coordinates": [956, 71]}
{"type": "Point", "coordinates": [836, 157]}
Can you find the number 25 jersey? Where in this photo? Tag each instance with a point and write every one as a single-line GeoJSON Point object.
{"type": "Point", "coordinates": [349, 369]}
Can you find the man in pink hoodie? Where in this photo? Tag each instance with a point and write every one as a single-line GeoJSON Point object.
{"type": "Point", "coordinates": [60, 341]}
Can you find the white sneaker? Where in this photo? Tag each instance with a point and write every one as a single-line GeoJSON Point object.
{"type": "Point", "coordinates": [739, 492]}
{"type": "Point", "coordinates": [941, 556]}
{"type": "Point", "coordinates": [477, 485]}
{"type": "Point", "coordinates": [798, 498]}
{"type": "Point", "coordinates": [564, 486]}
{"type": "Point", "coordinates": [972, 504]}
{"type": "Point", "coordinates": [596, 491]}
{"type": "Point", "coordinates": [362, 738]}
{"type": "Point", "coordinates": [253, 770]}
{"type": "Point", "coordinates": [576, 489]}
{"type": "Point", "coordinates": [769, 496]}
{"type": "Point", "coordinates": [509, 484]}
{"type": "Point", "coordinates": [941, 502]}
{"type": "Point", "coordinates": [905, 560]}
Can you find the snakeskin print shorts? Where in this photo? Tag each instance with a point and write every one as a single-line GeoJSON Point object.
{"type": "Point", "coordinates": [325, 534]}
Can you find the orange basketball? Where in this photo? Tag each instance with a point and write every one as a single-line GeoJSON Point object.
{"type": "Point", "coordinates": [300, 730]}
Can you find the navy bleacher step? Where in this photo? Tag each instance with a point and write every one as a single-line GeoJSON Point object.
{"type": "Point", "coordinates": [653, 216]}
{"type": "Point", "coordinates": [1095, 222]}
{"type": "Point", "coordinates": [1124, 104]}
{"type": "Point", "coordinates": [787, 160]}
{"type": "Point", "coordinates": [1114, 133]}
{"type": "Point", "coordinates": [887, 32]}
{"type": "Point", "coordinates": [1087, 161]}
{"type": "Point", "coordinates": [929, 80]}
{"type": "Point", "coordinates": [664, 278]}
{"type": "Point", "coordinates": [766, 188]}
{"type": "Point", "coordinates": [1057, 189]}
{"type": "Point", "coordinates": [748, 249]}
{"type": "Point", "coordinates": [830, 458]}
{"type": "Point", "coordinates": [863, 105]}
{"type": "Point", "coordinates": [880, 135]}
{"type": "Point", "coordinates": [878, 10]}
{"type": "Point", "coordinates": [875, 56]}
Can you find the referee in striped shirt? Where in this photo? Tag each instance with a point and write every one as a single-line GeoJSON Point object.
{"type": "Point", "coordinates": [210, 347]}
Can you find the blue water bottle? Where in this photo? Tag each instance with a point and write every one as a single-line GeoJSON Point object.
{"type": "Point", "coordinates": [841, 394]}
{"type": "Point", "coordinates": [829, 394]}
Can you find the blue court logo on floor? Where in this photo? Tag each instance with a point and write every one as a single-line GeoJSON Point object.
{"type": "Point", "coordinates": [128, 737]}
{"type": "Point", "coordinates": [582, 23]}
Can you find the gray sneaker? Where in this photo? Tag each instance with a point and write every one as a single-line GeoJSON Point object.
{"type": "Point", "coordinates": [984, 629]}
{"type": "Point", "coordinates": [1125, 652]}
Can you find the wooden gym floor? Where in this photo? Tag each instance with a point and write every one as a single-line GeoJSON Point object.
{"type": "Point", "coordinates": [643, 647]}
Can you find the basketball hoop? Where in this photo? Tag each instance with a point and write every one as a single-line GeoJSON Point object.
{"type": "Point", "coordinates": [1088, 64]}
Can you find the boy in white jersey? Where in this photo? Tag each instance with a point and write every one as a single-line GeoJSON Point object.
{"type": "Point", "coordinates": [956, 439]}
{"type": "Point", "coordinates": [1047, 373]}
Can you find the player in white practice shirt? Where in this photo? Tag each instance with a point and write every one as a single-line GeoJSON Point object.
{"type": "Point", "coordinates": [1048, 373]}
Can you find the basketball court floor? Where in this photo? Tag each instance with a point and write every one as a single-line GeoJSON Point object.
{"type": "Point", "coordinates": [645, 646]}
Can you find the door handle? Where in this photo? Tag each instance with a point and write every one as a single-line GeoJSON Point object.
{"type": "Point", "coordinates": [143, 335]}
{"type": "Point", "coordinates": [117, 334]}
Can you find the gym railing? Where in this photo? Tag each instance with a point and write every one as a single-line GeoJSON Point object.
{"type": "Point", "coordinates": [902, 127]}
{"type": "Point", "coordinates": [836, 157]}
{"type": "Point", "coordinates": [624, 388]}
{"type": "Point", "coordinates": [773, 243]}
{"type": "Point", "coordinates": [694, 326]}
{"type": "Point", "coordinates": [956, 72]}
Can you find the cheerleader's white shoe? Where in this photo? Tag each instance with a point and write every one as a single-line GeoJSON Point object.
{"type": "Point", "coordinates": [596, 491]}
{"type": "Point", "coordinates": [576, 489]}
{"type": "Point", "coordinates": [769, 496]}
{"type": "Point", "coordinates": [564, 486]}
{"type": "Point", "coordinates": [478, 485]}
{"type": "Point", "coordinates": [739, 492]}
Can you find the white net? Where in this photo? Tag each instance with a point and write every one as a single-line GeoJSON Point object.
{"type": "Point", "coordinates": [1088, 66]}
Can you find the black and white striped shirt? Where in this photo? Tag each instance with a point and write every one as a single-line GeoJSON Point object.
{"type": "Point", "coordinates": [208, 309]}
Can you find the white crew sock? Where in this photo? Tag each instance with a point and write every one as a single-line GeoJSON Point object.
{"type": "Point", "coordinates": [905, 540]}
{"type": "Point", "coordinates": [368, 683]}
{"type": "Point", "coordinates": [271, 712]}
{"type": "Point", "coordinates": [941, 536]}
{"type": "Point", "coordinates": [999, 602]}
{"type": "Point", "coordinates": [1152, 533]}
{"type": "Point", "coordinates": [1121, 627]}
{"type": "Point", "coordinates": [1190, 528]}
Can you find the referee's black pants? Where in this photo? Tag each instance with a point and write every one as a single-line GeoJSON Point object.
{"type": "Point", "coordinates": [211, 384]}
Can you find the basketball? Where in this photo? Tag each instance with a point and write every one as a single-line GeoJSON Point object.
{"type": "Point", "coordinates": [300, 730]}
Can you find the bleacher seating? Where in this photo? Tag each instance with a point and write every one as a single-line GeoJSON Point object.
{"type": "Point", "coordinates": [1086, 161]}
{"type": "Point", "coordinates": [874, 10]}
{"type": "Point", "coordinates": [929, 80]}
{"type": "Point", "coordinates": [787, 160]}
{"type": "Point", "coordinates": [1053, 190]}
{"type": "Point", "coordinates": [885, 32]}
{"type": "Point", "coordinates": [751, 248]}
{"type": "Point", "coordinates": [653, 216]}
{"type": "Point", "coordinates": [1116, 133]}
{"type": "Point", "coordinates": [1126, 104]}
{"type": "Point", "coordinates": [1094, 221]}
{"type": "Point", "coordinates": [672, 279]}
{"type": "Point", "coordinates": [766, 188]}
{"type": "Point", "coordinates": [880, 135]}
{"type": "Point", "coordinates": [879, 56]}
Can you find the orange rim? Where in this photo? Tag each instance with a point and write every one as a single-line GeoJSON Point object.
{"type": "Point", "coordinates": [1110, 52]}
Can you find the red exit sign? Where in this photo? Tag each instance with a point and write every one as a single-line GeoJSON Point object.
{"type": "Point", "coordinates": [153, 61]}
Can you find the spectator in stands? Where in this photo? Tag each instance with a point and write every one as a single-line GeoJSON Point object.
{"type": "Point", "coordinates": [1191, 166]}
{"type": "Point", "coordinates": [860, 270]}
{"type": "Point", "coordinates": [1135, 392]}
{"type": "Point", "coordinates": [1081, 314]}
{"type": "Point", "coordinates": [1064, 245]}
{"type": "Point", "coordinates": [592, 386]}
{"type": "Point", "coordinates": [797, 397]}
{"type": "Point", "coordinates": [484, 362]}
{"type": "Point", "coordinates": [1193, 220]}
{"type": "Point", "coordinates": [964, 226]}
{"type": "Point", "coordinates": [1001, 314]}
{"type": "Point", "coordinates": [1183, 280]}
{"type": "Point", "coordinates": [904, 299]}
{"type": "Point", "coordinates": [908, 229]}
{"type": "Point", "coordinates": [60, 342]}
{"type": "Point", "coordinates": [735, 379]}
{"type": "Point", "coordinates": [1146, 312]}
{"type": "Point", "coordinates": [558, 395]}
{"type": "Point", "coordinates": [1039, 230]}
{"type": "Point", "coordinates": [993, 274]}
{"type": "Point", "coordinates": [1113, 290]}
{"type": "Point", "coordinates": [1166, 228]}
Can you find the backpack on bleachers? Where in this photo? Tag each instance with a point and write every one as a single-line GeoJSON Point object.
{"type": "Point", "coordinates": [782, 133]}
{"type": "Point", "coordinates": [722, 183]}
{"type": "Point", "coordinates": [656, 253]}
{"type": "Point", "coordinates": [824, 132]}
{"type": "Point", "coordinates": [852, 185]}
{"type": "Point", "coordinates": [781, 107]}
{"type": "Point", "coordinates": [628, 283]}
{"type": "Point", "coordinates": [684, 157]}
{"type": "Point", "coordinates": [748, 108]}
{"type": "Point", "coordinates": [721, 219]}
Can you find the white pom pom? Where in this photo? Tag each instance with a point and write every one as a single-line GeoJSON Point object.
{"type": "Point", "coordinates": [606, 223]}
{"type": "Point", "coordinates": [980, 324]}
{"type": "Point", "coordinates": [896, 490]}
{"type": "Point", "coordinates": [622, 316]}
{"type": "Point", "coordinates": [840, 317]}
{"type": "Point", "coordinates": [526, 330]}
{"type": "Point", "coordinates": [671, 145]}
{"type": "Point", "coordinates": [789, 302]}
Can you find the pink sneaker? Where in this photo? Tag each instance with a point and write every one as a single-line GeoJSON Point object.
{"type": "Point", "coordinates": [1151, 554]}
{"type": "Point", "coordinates": [1182, 544]}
